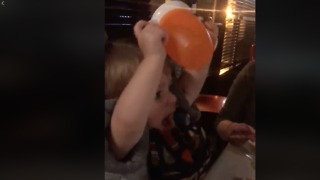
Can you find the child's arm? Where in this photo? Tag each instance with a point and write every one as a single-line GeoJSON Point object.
{"type": "Point", "coordinates": [192, 81]}
{"type": "Point", "coordinates": [129, 118]}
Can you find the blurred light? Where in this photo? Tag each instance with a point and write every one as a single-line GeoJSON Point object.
{"type": "Point", "coordinates": [118, 24]}
{"type": "Point", "coordinates": [224, 70]}
{"type": "Point", "coordinates": [125, 16]}
{"type": "Point", "coordinates": [229, 13]}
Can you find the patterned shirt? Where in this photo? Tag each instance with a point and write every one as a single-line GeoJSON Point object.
{"type": "Point", "coordinates": [183, 152]}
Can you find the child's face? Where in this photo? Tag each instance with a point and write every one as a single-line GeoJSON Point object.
{"type": "Point", "coordinates": [161, 115]}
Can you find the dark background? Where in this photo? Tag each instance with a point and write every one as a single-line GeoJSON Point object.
{"type": "Point", "coordinates": [51, 90]}
{"type": "Point", "coordinates": [288, 86]}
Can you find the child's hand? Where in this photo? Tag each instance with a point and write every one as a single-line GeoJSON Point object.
{"type": "Point", "coordinates": [213, 31]}
{"type": "Point", "coordinates": [151, 38]}
{"type": "Point", "coordinates": [239, 133]}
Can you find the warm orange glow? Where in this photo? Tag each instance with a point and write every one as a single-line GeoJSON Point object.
{"type": "Point", "coordinates": [229, 13]}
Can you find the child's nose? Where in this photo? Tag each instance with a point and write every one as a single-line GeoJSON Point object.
{"type": "Point", "coordinates": [172, 99]}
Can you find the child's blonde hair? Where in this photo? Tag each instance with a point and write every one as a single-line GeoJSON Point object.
{"type": "Point", "coordinates": [122, 57]}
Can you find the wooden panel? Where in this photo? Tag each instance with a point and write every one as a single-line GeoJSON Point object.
{"type": "Point", "coordinates": [210, 103]}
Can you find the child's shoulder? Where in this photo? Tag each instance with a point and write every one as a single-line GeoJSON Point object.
{"type": "Point", "coordinates": [131, 167]}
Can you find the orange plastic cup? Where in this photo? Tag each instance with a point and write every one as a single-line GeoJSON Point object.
{"type": "Point", "coordinates": [189, 44]}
